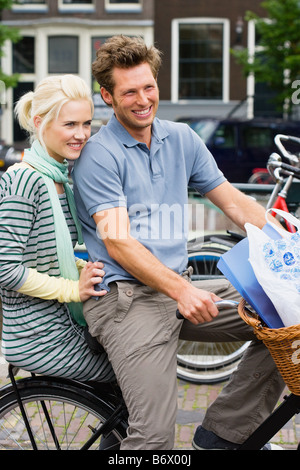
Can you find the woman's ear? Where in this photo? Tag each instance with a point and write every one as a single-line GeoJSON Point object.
{"type": "Point", "coordinates": [37, 121]}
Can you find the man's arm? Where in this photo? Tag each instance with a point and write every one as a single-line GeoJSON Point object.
{"type": "Point", "coordinates": [194, 304]}
{"type": "Point", "coordinates": [238, 207]}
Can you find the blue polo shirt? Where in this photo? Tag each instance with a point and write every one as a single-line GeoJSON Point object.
{"type": "Point", "coordinates": [116, 170]}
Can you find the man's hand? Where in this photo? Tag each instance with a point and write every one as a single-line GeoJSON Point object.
{"type": "Point", "coordinates": [197, 305]}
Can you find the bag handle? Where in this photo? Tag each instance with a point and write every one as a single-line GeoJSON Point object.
{"type": "Point", "coordinates": [285, 215]}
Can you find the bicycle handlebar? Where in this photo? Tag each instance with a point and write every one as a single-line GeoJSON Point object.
{"type": "Point", "coordinates": [221, 304]}
{"type": "Point", "coordinates": [273, 164]}
{"type": "Point", "coordinates": [278, 138]}
{"type": "Point", "coordinates": [290, 168]}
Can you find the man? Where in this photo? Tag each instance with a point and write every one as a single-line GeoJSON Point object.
{"type": "Point", "coordinates": [128, 174]}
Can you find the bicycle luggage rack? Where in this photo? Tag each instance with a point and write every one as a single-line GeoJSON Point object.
{"type": "Point", "coordinates": [24, 415]}
{"type": "Point", "coordinates": [22, 409]}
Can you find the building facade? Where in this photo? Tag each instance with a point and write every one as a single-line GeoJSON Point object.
{"type": "Point", "coordinates": [62, 36]}
{"type": "Point", "coordinates": [199, 76]}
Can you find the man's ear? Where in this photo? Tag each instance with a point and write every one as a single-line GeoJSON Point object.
{"type": "Point", "coordinates": [106, 96]}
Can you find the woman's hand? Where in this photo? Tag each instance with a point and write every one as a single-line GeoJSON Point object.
{"type": "Point", "coordinates": [90, 275]}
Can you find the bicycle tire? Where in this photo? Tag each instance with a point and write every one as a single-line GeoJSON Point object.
{"type": "Point", "coordinates": [208, 362]}
{"type": "Point", "coordinates": [261, 177]}
{"type": "Point", "coordinates": [75, 410]}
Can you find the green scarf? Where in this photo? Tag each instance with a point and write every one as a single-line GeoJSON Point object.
{"type": "Point", "coordinates": [53, 171]}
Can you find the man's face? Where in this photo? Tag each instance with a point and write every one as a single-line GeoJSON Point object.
{"type": "Point", "coordinates": [135, 98]}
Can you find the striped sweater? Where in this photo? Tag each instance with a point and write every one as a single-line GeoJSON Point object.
{"type": "Point", "coordinates": [38, 335]}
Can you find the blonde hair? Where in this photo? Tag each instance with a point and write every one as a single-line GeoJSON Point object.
{"type": "Point", "coordinates": [47, 100]}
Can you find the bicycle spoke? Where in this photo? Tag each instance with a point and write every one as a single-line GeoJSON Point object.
{"type": "Point", "coordinates": [208, 362]}
{"type": "Point", "coordinates": [73, 426]}
{"type": "Point", "coordinates": [7, 427]}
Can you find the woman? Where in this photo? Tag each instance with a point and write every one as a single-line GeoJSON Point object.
{"type": "Point", "coordinates": [43, 326]}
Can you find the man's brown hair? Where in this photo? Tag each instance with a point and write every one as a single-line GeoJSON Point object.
{"type": "Point", "coordinates": [123, 52]}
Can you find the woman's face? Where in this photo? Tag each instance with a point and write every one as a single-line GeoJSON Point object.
{"type": "Point", "coordinates": [66, 136]}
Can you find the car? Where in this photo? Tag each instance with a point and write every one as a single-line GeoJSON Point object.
{"type": "Point", "coordinates": [8, 156]}
{"type": "Point", "coordinates": [241, 146]}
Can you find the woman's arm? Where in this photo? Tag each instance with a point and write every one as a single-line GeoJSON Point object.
{"type": "Point", "coordinates": [48, 287]}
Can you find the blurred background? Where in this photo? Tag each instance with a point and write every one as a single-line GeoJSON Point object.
{"type": "Point", "coordinates": [206, 78]}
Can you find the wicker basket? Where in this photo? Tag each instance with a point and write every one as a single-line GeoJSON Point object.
{"type": "Point", "coordinates": [283, 344]}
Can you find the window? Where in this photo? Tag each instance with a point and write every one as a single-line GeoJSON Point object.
{"type": "Point", "coordinates": [23, 55]}
{"type": "Point", "coordinates": [20, 135]}
{"type": "Point", "coordinates": [31, 2]}
{"type": "Point", "coordinates": [63, 54]}
{"type": "Point", "coordinates": [200, 60]}
{"type": "Point", "coordinates": [112, 2]}
{"type": "Point", "coordinates": [263, 103]}
{"type": "Point", "coordinates": [96, 43]}
{"type": "Point", "coordinates": [30, 5]}
{"type": "Point", "coordinates": [257, 137]}
{"type": "Point", "coordinates": [99, 105]}
{"type": "Point", "coordinates": [123, 5]}
{"type": "Point", "coordinates": [225, 136]}
{"type": "Point", "coordinates": [76, 5]}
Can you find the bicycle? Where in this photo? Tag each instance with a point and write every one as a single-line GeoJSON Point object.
{"type": "Point", "coordinates": [260, 176]}
{"type": "Point", "coordinates": [52, 413]}
{"type": "Point", "coordinates": [215, 362]}
{"type": "Point", "coordinates": [278, 169]}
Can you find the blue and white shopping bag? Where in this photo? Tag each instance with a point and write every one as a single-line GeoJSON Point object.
{"type": "Point", "coordinates": [276, 264]}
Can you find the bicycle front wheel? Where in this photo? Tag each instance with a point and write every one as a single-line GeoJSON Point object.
{"type": "Point", "coordinates": [60, 418]}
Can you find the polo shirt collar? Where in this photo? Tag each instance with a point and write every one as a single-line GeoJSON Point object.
{"type": "Point", "coordinates": [158, 131]}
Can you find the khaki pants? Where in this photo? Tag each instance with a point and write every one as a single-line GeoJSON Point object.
{"type": "Point", "coordinates": [139, 330]}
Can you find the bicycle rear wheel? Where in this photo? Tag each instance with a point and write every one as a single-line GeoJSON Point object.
{"type": "Point", "coordinates": [208, 362]}
{"type": "Point", "coordinates": [75, 413]}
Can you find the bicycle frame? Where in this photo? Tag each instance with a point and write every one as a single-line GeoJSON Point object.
{"type": "Point", "coordinates": [277, 169]}
{"type": "Point", "coordinates": [280, 416]}
{"type": "Point", "coordinates": [24, 415]}
{"type": "Point", "coordinates": [278, 199]}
